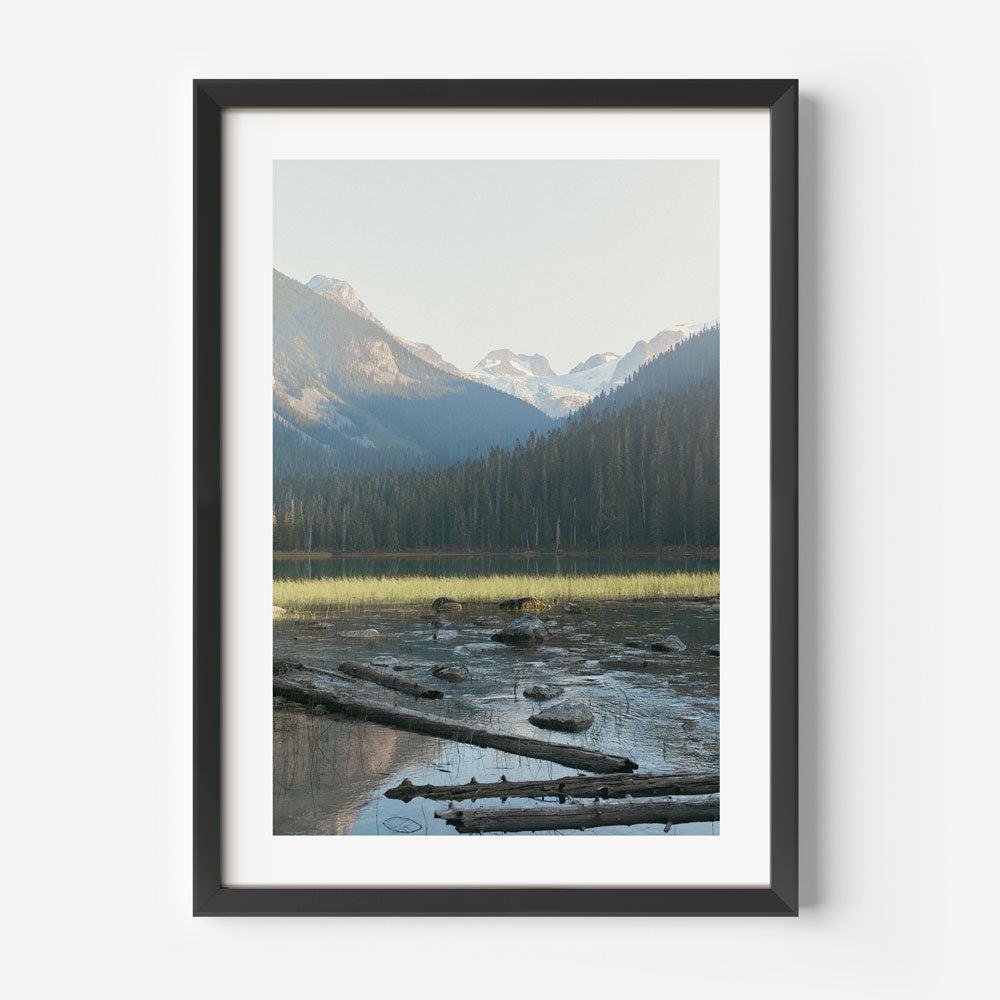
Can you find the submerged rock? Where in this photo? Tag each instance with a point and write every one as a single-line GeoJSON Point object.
{"type": "Point", "coordinates": [713, 650]}
{"type": "Point", "coordinates": [451, 672]}
{"type": "Point", "coordinates": [521, 604]}
{"type": "Point", "coordinates": [525, 630]}
{"type": "Point", "coordinates": [283, 666]}
{"type": "Point", "coordinates": [475, 649]}
{"type": "Point", "coordinates": [543, 692]}
{"type": "Point", "coordinates": [669, 645]}
{"type": "Point", "coordinates": [574, 609]}
{"type": "Point", "coordinates": [384, 661]}
{"type": "Point", "coordinates": [359, 633]}
{"type": "Point", "coordinates": [446, 604]}
{"type": "Point", "coordinates": [634, 644]}
{"type": "Point", "coordinates": [487, 621]}
{"type": "Point", "coordinates": [568, 716]}
{"type": "Point", "coordinates": [621, 663]}
{"type": "Point", "coordinates": [440, 623]}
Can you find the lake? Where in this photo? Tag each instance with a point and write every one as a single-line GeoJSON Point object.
{"type": "Point", "coordinates": [659, 709]}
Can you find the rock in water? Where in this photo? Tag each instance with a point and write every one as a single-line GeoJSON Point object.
{"type": "Point", "coordinates": [440, 623]}
{"type": "Point", "coordinates": [446, 604]}
{"type": "Point", "coordinates": [543, 692]}
{"type": "Point", "coordinates": [669, 645]}
{"type": "Point", "coordinates": [487, 621]}
{"type": "Point", "coordinates": [451, 672]}
{"type": "Point", "coordinates": [568, 716]}
{"type": "Point", "coordinates": [359, 633]}
{"type": "Point", "coordinates": [475, 649]}
{"type": "Point", "coordinates": [384, 661]}
{"type": "Point", "coordinates": [713, 650]}
{"type": "Point", "coordinates": [524, 630]}
{"type": "Point", "coordinates": [574, 609]}
{"type": "Point", "coordinates": [522, 604]}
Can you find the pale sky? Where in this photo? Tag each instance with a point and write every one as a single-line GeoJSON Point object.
{"type": "Point", "coordinates": [565, 258]}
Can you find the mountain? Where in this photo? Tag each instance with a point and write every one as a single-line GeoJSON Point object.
{"type": "Point", "coordinates": [349, 394]}
{"type": "Point", "coordinates": [644, 351]}
{"type": "Point", "coordinates": [531, 378]}
{"type": "Point", "coordinates": [688, 362]}
{"type": "Point", "coordinates": [343, 293]}
{"type": "Point", "coordinates": [506, 362]}
{"type": "Point", "coordinates": [340, 291]}
{"type": "Point", "coordinates": [594, 361]}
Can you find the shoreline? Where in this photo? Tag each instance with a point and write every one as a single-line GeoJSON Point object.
{"type": "Point", "coordinates": [667, 554]}
{"type": "Point", "coordinates": [365, 591]}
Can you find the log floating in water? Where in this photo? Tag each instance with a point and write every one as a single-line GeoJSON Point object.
{"type": "Point", "coordinates": [613, 786]}
{"type": "Point", "coordinates": [415, 722]}
{"type": "Point", "coordinates": [668, 813]}
{"type": "Point", "coordinates": [354, 669]}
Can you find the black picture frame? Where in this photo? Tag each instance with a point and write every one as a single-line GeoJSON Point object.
{"type": "Point", "coordinates": [211, 98]}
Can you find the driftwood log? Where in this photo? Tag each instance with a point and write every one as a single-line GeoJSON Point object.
{"type": "Point", "coordinates": [415, 722]}
{"type": "Point", "coordinates": [354, 669]}
{"type": "Point", "coordinates": [668, 813]}
{"type": "Point", "coordinates": [607, 786]}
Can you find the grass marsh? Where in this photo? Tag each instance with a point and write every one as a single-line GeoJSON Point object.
{"type": "Point", "coordinates": [344, 592]}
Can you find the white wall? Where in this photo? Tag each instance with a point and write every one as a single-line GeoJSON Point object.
{"type": "Point", "coordinates": [899, 329]}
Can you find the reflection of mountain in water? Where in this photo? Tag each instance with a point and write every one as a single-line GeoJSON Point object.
{"type": "Point", "coordinates": [325, 768]}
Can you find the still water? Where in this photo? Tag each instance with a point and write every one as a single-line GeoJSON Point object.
{"type": "Point", "coordinates": [659, 709]}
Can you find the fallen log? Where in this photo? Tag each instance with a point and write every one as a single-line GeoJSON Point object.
{"type": "Point", "coordinates": [608, 786]}
{"type": "Point", "coordinates": [354, 669]}
{"type": "Point", "coordinates": [669, 813]}
{"type": "Point", "coordinates": [415, 722]}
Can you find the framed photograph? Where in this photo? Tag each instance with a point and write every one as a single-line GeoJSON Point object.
{"type": "Point", "coordinates": [495, 399]}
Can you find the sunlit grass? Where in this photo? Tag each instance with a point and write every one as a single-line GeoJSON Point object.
{"type": "Point", "coordinates": [369, 591]}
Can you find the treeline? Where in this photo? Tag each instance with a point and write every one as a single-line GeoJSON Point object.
{"type": "Point", "coordinates": [642, 476]}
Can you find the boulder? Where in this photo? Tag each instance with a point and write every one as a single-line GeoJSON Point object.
{"type": "Point", "coordinates": [474, 649]}
{"type": "Point", "coordinates": [543, 692]}
{"type": "Point", "coordinates": [567, 716]}
{"type": "Point", "coordinates": [620, 663]}
{"type": "Point", "coordinates": [521, 604]}
{"type": "Point", "coordinates": [713, 650]}
{"type": "Point", "coordinates": [359, 633]}
{"type": "Point", "coordinates": [574, 609]}
{"type": "Point", "coordinates": [669, 645]}
{"type": "Point", "coordinates": [524, 630]}
{"type": "Point", "coordinates": [451, 672]}
{"type": "Point", "coordinates": [446, 604]}
{"type": "Point", "coordinates": [488, 621]}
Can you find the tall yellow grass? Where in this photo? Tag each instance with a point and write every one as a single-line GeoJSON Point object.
{"type": "Point", "coordinates": [365, 591]}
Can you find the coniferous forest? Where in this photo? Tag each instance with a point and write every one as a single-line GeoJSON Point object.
{"type": "Point", "coordinates": [636, 469]}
